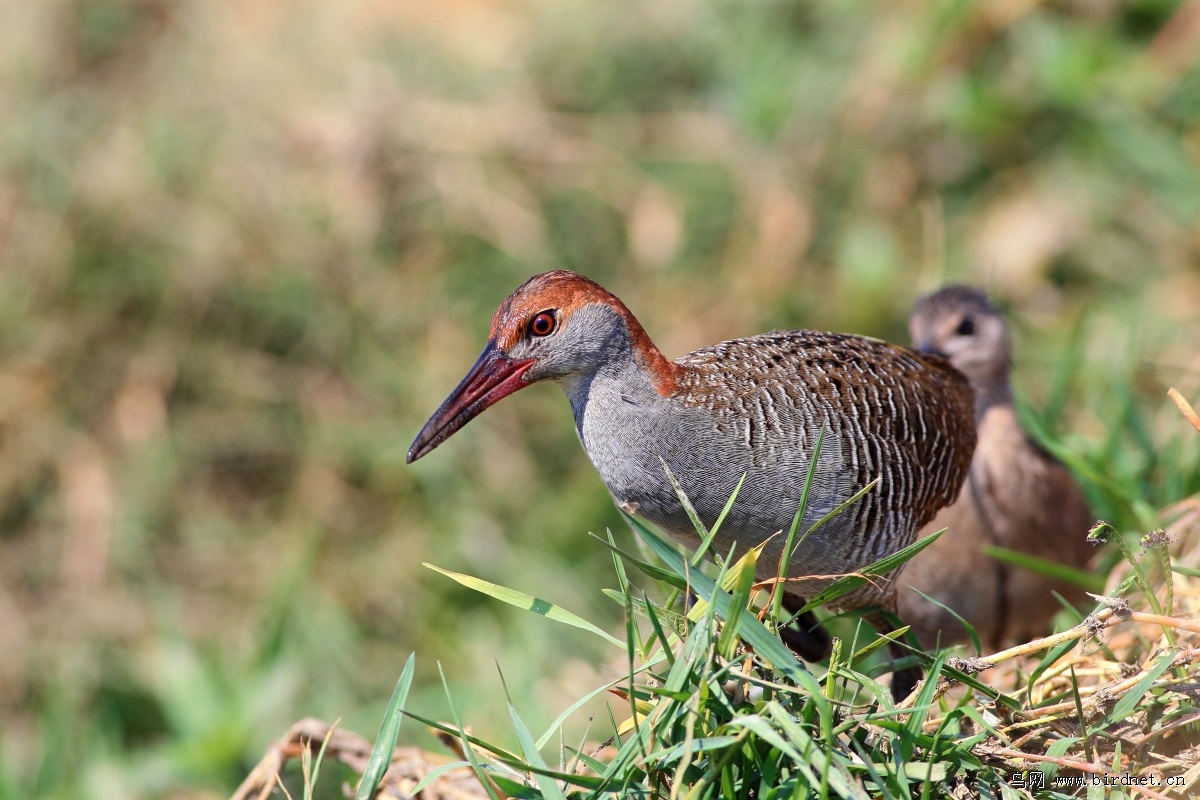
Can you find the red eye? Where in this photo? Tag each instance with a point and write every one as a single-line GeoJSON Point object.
{"type": "Point", "coordinates": [542, 324]}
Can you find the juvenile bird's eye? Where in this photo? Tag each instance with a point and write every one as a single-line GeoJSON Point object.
{"type": "Point", "coordinates": [966, 327]}
{"type": "Point", "coordinates": [543, 324]}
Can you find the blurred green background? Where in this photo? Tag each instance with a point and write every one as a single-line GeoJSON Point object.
{"type": "Point", "coordinates": [246, 248]}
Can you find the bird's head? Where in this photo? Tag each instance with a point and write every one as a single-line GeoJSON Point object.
{"type": "Point", "coordinates": [961, 324]}
{"type": "Point", "coordinates": [557, 326]}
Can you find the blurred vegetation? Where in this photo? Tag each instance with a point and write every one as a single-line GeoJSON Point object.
{"type": "Point", "coordinates": [246, 248]}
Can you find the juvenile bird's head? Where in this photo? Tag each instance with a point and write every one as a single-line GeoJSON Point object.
{"type": "Point", "coordinates": [961, 324]}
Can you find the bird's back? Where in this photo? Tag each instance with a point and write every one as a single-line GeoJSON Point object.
{"type": "Point", "coordinates": [756, 406]}
{"type": "Point", "coordinates": [890, 413]}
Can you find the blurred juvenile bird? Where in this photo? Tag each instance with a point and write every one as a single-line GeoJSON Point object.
{"type": "Point", "coordinates": [1017, 496]}
{"type": "Point", "coordinates": [752, 407]}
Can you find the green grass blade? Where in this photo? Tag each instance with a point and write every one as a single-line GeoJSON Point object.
{"type": "Point", "coordinates": [668, 577]}
{"type": "Point", "coordinates": [385, 742]}
{"type": "Point", "coordinates": [790, 544]}
{"type": "Point", "coordinates": [685, 501]}
{"type": "Point", "coordinates": [648, 609]}
{"type": "Point", "coordinates": [1057, 749]}
{"type": "Point", "coordinates": [499, 752]}
{"type": "Point", "coordinates": [571, 709]}
{"type": "Point", "coordinates": [1080, 716]}
{"type": "Point", "coordinates": [712, 534]}
{"type": "Point", "coordinates": [881, 640]}
{"type": "Point", "coordinates": [528, 602]}
{"type": "Point", "coordinates": [1088, 581]}
{"type": "Point", "coordinates": [975, 640]}
{"type": "Point", "coordinates": [845, 585]}
{"type": "Point", "coordinates": [744, 585]}
{"type": "Point", "coordinates": [753, 632]}
{"type": "Point", "coordinates": [660, 633]}
{"type": "Point", "coordinates": [550, 788]}
{"type": "Point", "coordinates": [860, 494]}
{"type": "Point", "coordinates": [320, 759]}
{"type": "Point", "coordinates": [461, 734]}
{"type": "Point", "coordinates": [700, 745]}
{"type": "Point", "coordinates": [618, 565]}
{"type": "Point", "coordinates": [1130, 700]}
{"type": "Point", "coordinates": [436, 773]}
{"type": "Point", "coordinates": [924, 698]}
{"type": "Point", "coordinates": [1052, 656]}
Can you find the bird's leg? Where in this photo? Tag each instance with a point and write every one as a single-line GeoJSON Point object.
{"type": "Point", "coordinates": [806, 636]}
{"type": "Point", "coordinates": [904, 680]}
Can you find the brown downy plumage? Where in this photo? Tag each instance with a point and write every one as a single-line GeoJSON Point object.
{"type": "Point", "coordinates": [752, 407]}
{"type": "Point", "coordinates": [1017, 496]}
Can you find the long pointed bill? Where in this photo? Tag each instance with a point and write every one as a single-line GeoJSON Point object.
{"type": "Point", "coordinates": [493, 377]}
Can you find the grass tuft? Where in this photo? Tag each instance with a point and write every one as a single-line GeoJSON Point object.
{"type": "Point", "coordinates": [719, 708]}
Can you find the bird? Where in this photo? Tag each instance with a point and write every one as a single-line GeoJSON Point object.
{"type": "Point", "coordinates": [1017, 496]}
{"type": "Point", "coordinates": [747, 410]}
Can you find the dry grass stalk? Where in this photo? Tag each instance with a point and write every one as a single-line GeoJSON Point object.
{"type": "Point", "coordinates": [1185, 407]}
{"type": "Point", "coordinates": [409, 765]}
{"type": "Point", "coordinates": [1160, 735]}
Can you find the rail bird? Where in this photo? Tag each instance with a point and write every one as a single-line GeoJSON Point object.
{"type": "Point", "coordinates": [1017, 496]}
{"type": "Point", "coordinates": [751, 407]}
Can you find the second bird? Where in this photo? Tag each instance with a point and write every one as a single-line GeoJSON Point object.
{"type": "Point", "coordinates": [1017, 497]}
{"type": "Point", "coordinates": [752, 407]}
